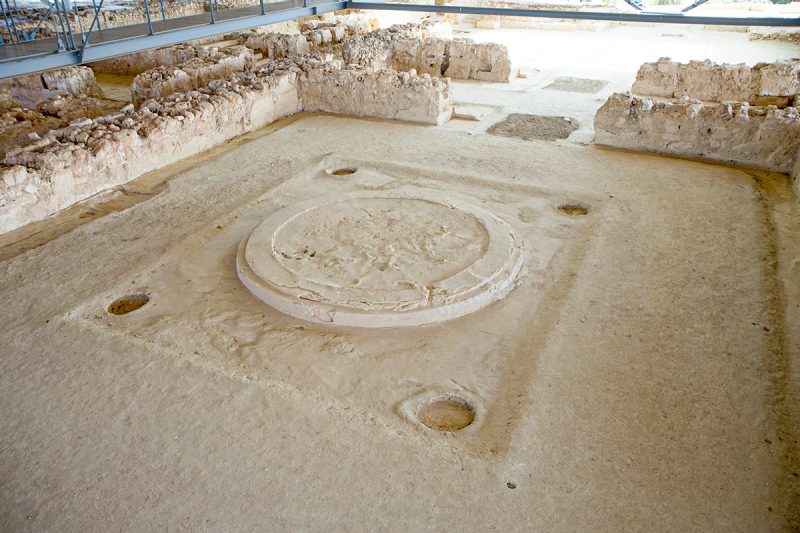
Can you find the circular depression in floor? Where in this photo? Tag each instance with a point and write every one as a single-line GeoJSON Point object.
{"type": "Point", "coordinates": [573, 209]}
{"type": "Point", "coordinates": [450, 413]}
{"type": "Point", "coordinates": [128, 304]}
{"type": "Point", "coordinates": [381, 259]}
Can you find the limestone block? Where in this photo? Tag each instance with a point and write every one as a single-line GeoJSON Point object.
{"type": "Point", "coordinates": [32, 89]}
{"type": "Point", "coordinates": [484, 61]}
{"type": "Point", "coordinates": [405, 54]}
{"type": "Point", "coordinates": [761, 137]}
{"type": "Point", "coordinates": [657, 79]}
{"type": "Point", "coordinates": [781, 78]}
{"type": "Point", "coordinates": [74, 80]}
{"type": "Point", "coordinates": [431, 57]}
{"type": "Point", "coordinates": [712, 82]}
{"type": "Point", "coordinates": [407, 47]}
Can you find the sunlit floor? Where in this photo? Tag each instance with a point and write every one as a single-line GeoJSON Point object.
{"type": "Point", "coordinates": [638, 376]}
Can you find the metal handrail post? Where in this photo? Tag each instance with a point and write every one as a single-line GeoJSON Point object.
{"type": "Point", "coordinates": [95, 19]}
{"type": "Point", "coordinates": [69, 37]}
{"type": "Point", "coordinates": [96, 13]}
{"type": "Point", "coordinates": [147, 12]}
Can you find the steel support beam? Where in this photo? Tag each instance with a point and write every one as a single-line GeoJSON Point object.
{"type": "Point", "coordinates": [105, 50]}
{"type": "Point", "coordinates": [642, 16]}
{"type": "Point", "coordinates": [94, 52]}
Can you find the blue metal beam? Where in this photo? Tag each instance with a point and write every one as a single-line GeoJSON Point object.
{"type": "Point", "coordinates": [94, 52]}
{"type": "Point", "coordinates": [107, 49]}
{"type": "Point", "coordinates": [642, 16]}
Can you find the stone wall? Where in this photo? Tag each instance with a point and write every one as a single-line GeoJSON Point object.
{"type": "Point", "coordinates": [762, 84]}
{"type": "Point", "coordinates": [385, 94]}
{"type": "Point", "coordinates": [32, 89]}
{"type": "Point", "coordinates": [754, 136]}
{"type": "Point", "coordinates": [276, 45]}
{"type": "Point", "coordinates": [76, 162]}
{"type": "Point", "coordinates": [70, 164]}
{"type": "Point", "coordinates": [192, 74]}
{"type": "Point", "coordinates": [139, 62]}
{"type": "Point", "coordinates": [411, 47]}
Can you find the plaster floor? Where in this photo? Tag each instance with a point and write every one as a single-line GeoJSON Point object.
{"type": "Point", "coordinates": [641, 376]}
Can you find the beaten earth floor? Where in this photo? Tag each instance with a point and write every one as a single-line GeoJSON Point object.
{"type": "Point", "coordinates": [639, 377]}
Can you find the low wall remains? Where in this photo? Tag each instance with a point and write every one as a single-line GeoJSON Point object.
{"type": "Point", "coordinates": [276, 45]}
{"type": "Point", "coordinates": [762, 84]}
{"type": "Point", "coordinates": [192, 74]}
{"type": "Point", "coordinates": [413, 47]}
{"type": "Point", "coordinates": [76, 162]}
{"type": "Point", "coordinates": [754, 136]}
{"type": "Point", "coordinates": [31, 89]}
{"type": "Point", "coordinates": [138, 62]}
{"type": "Point", "coordinates": [385, 94]}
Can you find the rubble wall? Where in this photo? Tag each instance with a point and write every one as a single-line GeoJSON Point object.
{"type": "Point", "coordinates": [138, 62]}
{"type": "Point", "coordinates": [410, 47]}
{"type": "Point", "coordinates": [754, 136]}
{"type": "Point", "coordinates": [31, 89]}
{"type": "Point", "coordinates": [385, 94]}
{"type": "Point", "coordinates": [276, 45]}
{"type": "Point", "coordinates": [91, 155]}
{"type": "Point", "coordinates": [74, 163]}
{"type": "Point", "coordinates": [762, 84]}
{"type": "Point", "coordinates": [192, 74]}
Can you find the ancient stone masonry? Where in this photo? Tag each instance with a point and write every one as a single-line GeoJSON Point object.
{"type": "Point", "coordinates": [72, 163]}
{"type": "Point", "coordinates": [729, 113]}
{"type": "Point", "coordinates": [76, 162]}
{"type": "Point", "coordinates": [373, 51]}
{"type": "Point", "coordinates": [276, 45]}
{"type": "Point", "coordinates": [32, 89]}
{"type": "Point", "coordinates": [408, 47]}
{"type": "Point", "coordinates": [763, 84]}
{"type": "Point", "coordinates": [336, 29]}
{"type": "Point", "coordinates": [192, 74]}
{"type": "Point", "coordinates": [386, 94]}
{"type": "Point", "coordinates": [754, 136]}
{"type": "Point", "coordinates": [33, 104]}
{"type": "Point", "coordinates": [139, 62]}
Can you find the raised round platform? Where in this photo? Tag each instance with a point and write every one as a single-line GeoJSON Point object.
{"type": "Point", "coordinates": [381, 259]}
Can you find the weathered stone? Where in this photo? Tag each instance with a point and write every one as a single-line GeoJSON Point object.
{"type": "Point", "coordinates": [386, 94]}
{"type": "Point", "coordinates": [73, 163]}
{"type": "Point", "coordinates": [731, 132]}
{"type": "Point", "coordinates": [192, 74]}
{"type": "Point", "coordinates": [715, 82]}
{"type": "Point", "coordinates": [404, 47]}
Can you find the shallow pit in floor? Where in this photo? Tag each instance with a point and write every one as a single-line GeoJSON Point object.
{"type": "Point", "coordinates": [576, 85]}
{"type": "Point", "coordinates": [530, 127]}
{"type": "Point", "coordinates": [449, 413]}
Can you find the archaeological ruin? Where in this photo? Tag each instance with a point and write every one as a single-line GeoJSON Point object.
{"type": "Point", "coordinates": [349, 266]}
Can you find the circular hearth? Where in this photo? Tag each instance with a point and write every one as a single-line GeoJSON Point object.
{"type": "Point", "coordinates": [381, 259]}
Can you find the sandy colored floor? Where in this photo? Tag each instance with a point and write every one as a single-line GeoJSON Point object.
{"type": "Point", "coordinates": [641, 377]}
